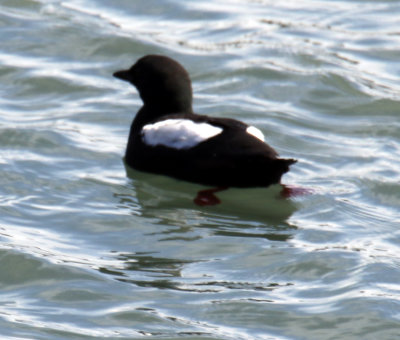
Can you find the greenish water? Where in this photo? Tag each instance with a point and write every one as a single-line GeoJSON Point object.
{"type": "Point", "coordinates": [92, 250]}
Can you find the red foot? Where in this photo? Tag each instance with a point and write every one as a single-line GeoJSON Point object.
{"type": "Point", "coordinates": [291, 191]}
{"type": "Point", "coordinates": [207, 197]}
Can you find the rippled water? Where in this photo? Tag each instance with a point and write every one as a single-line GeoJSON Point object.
{"type": "Point", "coordinates": [90, 249]}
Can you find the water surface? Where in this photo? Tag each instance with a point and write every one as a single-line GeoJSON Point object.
{"type": "Point", "coordinates": [91, 249]}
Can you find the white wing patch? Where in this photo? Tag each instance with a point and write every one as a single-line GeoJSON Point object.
{"type": "Point", "coordinates": [252, 130]}
{"type": "Point", "coordinates": [178, 133]}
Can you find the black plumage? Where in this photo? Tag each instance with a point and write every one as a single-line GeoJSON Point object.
{"type": "Point", "coordinates": [232, 158]}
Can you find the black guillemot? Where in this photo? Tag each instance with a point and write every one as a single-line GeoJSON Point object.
{"type": "Point", "coordinates": [168, 138]}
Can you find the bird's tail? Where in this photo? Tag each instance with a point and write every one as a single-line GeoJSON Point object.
{"type": "Point", "coordinates": [284, 164]}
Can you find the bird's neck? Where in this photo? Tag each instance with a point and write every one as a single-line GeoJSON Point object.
{"type": "Point", "coordinates": [149, 113]}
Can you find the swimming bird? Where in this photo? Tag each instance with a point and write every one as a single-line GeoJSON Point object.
{"type": "Point", "coordinates": [167, 137]}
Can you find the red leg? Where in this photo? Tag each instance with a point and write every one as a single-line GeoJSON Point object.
{"type": "Point", "coordinates": [207, 197]}
{"type": "Point", "coordinates": [292, 191]}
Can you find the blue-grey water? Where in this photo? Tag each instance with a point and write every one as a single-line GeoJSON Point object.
{"type": "Point", "coordinates": [92, 250]}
